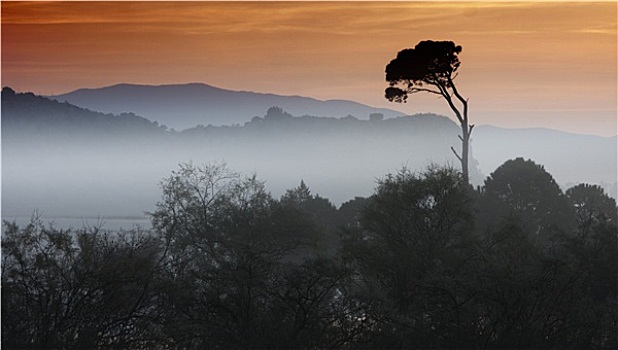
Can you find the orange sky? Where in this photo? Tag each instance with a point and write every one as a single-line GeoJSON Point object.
{"type": "Point", "coordinates": [524, 64]}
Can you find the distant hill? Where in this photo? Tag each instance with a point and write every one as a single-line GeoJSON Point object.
{"type": "Point", "coordinates": [28, 117]}
{"type": "Point", "coordinates": [187, 105]}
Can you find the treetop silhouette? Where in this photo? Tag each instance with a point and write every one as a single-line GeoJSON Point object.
{"type": "Point", "coordinates": [431, 66]}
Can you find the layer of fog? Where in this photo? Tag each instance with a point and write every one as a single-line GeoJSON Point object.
{"type": "Point", "coordinates": [120, 179]}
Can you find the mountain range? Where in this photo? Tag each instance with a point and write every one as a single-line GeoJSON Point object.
{"type": "Point", "coordinates": [184, 106]}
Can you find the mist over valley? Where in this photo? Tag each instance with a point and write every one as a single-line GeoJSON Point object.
{"type": "Point", "coordinates": [85, 162]}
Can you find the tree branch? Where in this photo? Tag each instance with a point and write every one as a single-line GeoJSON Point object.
{"type": "Point", "coordinates": [463, 101]}
{"type": "Point", "coordinates": [454, 108]}
{"type": "Point", "coordinates": [456, 155]}
{"type": "Point", "coordinates": [414, 90]}
{"type": "Point", "coordinates": [456, 93]}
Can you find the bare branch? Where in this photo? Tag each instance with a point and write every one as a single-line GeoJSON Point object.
{"type": "Point", "coordinates": [454, 108]}
{"type": "Point", "coordinates": [463, 101]}
{"type": "Point", "coordinates": [456, 155]}
{"type": "Point", "coordinates": [414, 90]}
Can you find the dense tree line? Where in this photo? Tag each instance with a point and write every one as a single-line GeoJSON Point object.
{"type": "Point", "coordinates": [426, 262]}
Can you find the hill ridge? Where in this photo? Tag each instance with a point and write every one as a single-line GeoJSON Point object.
{"type": "Point", "coordinates": [183, 106]}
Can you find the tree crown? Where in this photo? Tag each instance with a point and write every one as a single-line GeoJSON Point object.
{"type": "Point", "coordinates": [429, 62]}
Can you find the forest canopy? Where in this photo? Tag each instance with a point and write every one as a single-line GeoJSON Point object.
{"type": "Point", "coordinates": [425, 262]}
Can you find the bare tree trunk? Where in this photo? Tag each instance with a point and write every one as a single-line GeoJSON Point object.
{"type": "Point", "coordinates": [465, 150]}
{"type": "Point", "coordinates": [466, 131]}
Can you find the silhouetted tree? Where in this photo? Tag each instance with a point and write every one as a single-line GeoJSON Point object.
{"type": "Point", "coordinates": [524, 291]}
{"type": "Point", "coordinates": [594, 256]}
{"type": "Point", "coordinates": [277, 114]}
{"type": "Point", "coordinates": [350, 211]}
{"type": "Point", "coordinates": [238, 275]}
{"type": "Point", "coordinates": [534, 295]}
{"type": "Point", "coordinates": [592, 206]}
{"type": "Point", "coordinates": [319, 210]}
{"type": "Point", "coordinates": [521, 188]}
{"type": "Point", "coordinates": [541, 285]}
{"type": "Point", "coordinates": [411, 251]}
{"type": "Point", "coordinates": [78, 290]}
{"type": "Point", "coordinates": [431, 66]}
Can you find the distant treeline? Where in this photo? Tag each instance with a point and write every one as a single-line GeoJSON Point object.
{"type": "Point", "coordinates": [425, 262]}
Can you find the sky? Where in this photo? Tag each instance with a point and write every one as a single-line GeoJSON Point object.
{"type": "Point", "coordinates": [546, 64]}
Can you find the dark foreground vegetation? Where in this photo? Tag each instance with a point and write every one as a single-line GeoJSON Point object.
{"type": "Point", "coordinates": [426, 262]}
